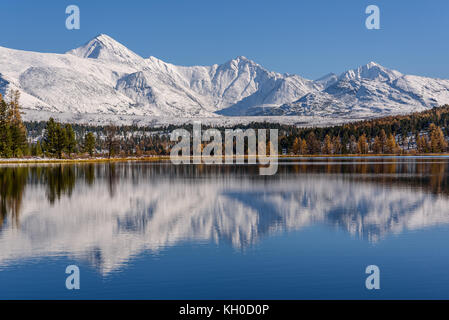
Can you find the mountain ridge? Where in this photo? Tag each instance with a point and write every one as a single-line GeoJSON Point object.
{"type": "Point", "coordinates": [104, 77]}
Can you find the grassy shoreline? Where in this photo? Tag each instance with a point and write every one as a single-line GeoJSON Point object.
{"type": "Point", "coordinates": [86, 160]}
{"type": "Point", "coordinates": [160, 158]}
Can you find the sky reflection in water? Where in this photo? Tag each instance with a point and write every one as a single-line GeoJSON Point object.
{"type": "Point", "coordinates": [154, 230]}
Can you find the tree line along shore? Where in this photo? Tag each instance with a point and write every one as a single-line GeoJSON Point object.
{"type": "Point", "coordinates": [417, 133]}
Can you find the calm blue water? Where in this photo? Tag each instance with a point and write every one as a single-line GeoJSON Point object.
{"type": "Point", "coordinates": [158, 231]}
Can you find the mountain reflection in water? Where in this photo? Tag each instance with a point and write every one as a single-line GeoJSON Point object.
{"type": "Point", "coordinates": [108, 213]}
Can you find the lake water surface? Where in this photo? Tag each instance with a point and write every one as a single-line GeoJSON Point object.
{"type": "Point", "coordinates": [159, 231]}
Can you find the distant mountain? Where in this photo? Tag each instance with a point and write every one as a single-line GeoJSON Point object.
{"type": "Point", "coordinates": [105, 48]}
{"type": "Point", "coordinates": [371, 90]}
{"type": "Point", "coordinates": [327, 80]}
{"type": "Point", "coordinates": [105, 80]}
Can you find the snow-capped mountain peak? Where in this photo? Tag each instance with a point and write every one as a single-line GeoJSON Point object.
{"type": "Point", "coordinates": [327, 80]}
{"type": "Point", "coordinates": [368, 91]}
{"type": "Point", "coordinates": [371, 71]}
{"type": "Point", "coordinates": [103, 79]}
{"type": "Point", "coordinates": [103, 47]}
{"type": "Point", "coordinates": [241, 62]}
{"type": "Point", "coordinates": [242, 58]}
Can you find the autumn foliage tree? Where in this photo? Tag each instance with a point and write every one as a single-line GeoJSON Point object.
{"type": "Point", "coordinates": [391, 146]}
{"type": "Point", "coordinates": [422, 144]}
{"type": "Point", "coordinates": [362, 145]}
{"type": "Point", "coordinates": [437, 142]}
{"type": "Point", "coordinates": [328, 147]}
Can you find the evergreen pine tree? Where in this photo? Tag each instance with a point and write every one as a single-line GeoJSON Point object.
{"type": "Point", "coordinates": [61, 140]}
{"type": "Point", "coordinates": [17, 128]}
{"type": "Point", "coordinates": [382, 141]}
{"type": "Point", "coordinates": [112, 144]}
{"type": "Point", "coordinates": [89, 143]}
{"type": "Point", "coordinates": [313, 145]}
{"type": "Point", "coordinates": [38, 149]}
{"type": "Point", "coordinates": [71, 139]}
{"type": "Point", "coordinates": [5, 133]}
{"type": "Point", "coordinates": [50, 138]}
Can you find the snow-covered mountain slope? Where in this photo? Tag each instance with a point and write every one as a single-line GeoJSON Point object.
{"type": "Point", "coordinates": [372, 90]}
{"type": "Point", "coordinates": [327, 80]}
{"type": "Point", "coordinates": [103, 78]}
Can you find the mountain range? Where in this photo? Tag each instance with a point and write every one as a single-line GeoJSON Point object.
{"type": "Point", "coordinates": [104, 80]}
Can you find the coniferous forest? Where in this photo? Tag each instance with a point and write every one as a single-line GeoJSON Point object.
{"type": "Point", "coordinates": [417, 133]}
{"type": "Point", "coordinates": [13, 136]}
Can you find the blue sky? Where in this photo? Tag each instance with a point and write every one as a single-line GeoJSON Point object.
{"type": "Point", "coordinates": [310, 38]}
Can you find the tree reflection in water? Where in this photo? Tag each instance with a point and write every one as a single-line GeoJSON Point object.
{"type": "Point", "coordinates": [107, 212]}
{"type": "Point", "coordinates": [12, 187]}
